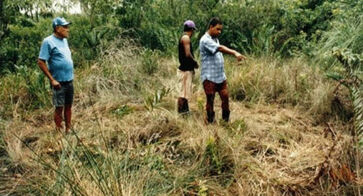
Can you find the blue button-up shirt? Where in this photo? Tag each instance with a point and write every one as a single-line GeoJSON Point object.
{"type": "Point", "coordinates": [211, 59]}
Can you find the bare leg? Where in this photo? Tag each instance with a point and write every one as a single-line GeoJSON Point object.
{"type": "Point", "coordinates": [68, 116]}
{"type": "Point", "coordinates": [58, 118]}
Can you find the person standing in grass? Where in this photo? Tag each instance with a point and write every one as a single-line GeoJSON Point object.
{"type": "Point", "coordinates": [187, 66]}
{"type": "Point", "coordinates": [55, 52]}
{"type": "Point", "coordinates": [213, 76]}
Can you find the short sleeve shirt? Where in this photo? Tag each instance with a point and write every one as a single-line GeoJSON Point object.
{"type": "Point", "coordinates": [211, 60]}
{"type": "Point", "coordinates": [56, 53]}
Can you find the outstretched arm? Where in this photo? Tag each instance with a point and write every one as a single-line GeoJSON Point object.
{"type": "Point", "coordinates": [225, 49]}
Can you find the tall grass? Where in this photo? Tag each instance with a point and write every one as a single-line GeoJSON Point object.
{"type": "Point", "coordinates": [27, 90]}
{"type": "Point", "coordinates": [120, 147]}
{"type": "Point", "coordinates": [286, 82]}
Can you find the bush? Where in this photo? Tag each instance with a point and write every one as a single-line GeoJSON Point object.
{"type": "Point", "coordinates": [21, 47]}
{"type": "Point", "coordinates": [149, 64]}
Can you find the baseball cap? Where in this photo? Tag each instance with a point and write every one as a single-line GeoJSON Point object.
{"type": "Point", "coordinates": [60, 21]}
{"type": "Point", "coordinates": [190, 24]}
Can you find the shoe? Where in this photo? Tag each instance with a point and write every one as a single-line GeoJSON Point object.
{"type": "Point", "coordinates": [183, 106]}
{"type": "Point", "coordinates": [210, 117]}
{"type": "Point", "coordinates": [225, 115]}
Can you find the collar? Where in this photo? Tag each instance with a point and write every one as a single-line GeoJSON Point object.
{"type": "Point", "coordinates": [57, 37]}
{"type": "Point", "coordinates": [210, 37]}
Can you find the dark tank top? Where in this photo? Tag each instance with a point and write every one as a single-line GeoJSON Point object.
{"type": "Point", "coordinates": [186, 64]}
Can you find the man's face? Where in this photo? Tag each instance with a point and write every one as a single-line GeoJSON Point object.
{"type": "Point", "coordinates": [216, 30]}
{"type": "Point", "coordinates": [62, 31]}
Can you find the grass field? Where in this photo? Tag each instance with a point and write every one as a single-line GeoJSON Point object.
{"type": "Point", "coordinates": [287, 134]}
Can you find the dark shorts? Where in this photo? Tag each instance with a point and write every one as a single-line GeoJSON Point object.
{"type": "Point", "coordinates": [64, 95]}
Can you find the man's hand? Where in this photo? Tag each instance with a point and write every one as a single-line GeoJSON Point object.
{"type": "Point", "coordinates": [239, 56]}
{"type": "Point", "coordinates": [196, 66]}
{"type": "Point", "coordinates": [55, 84]}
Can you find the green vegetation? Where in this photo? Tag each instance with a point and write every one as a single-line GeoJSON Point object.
{"type": "Point", "coordinates": [296, 121]}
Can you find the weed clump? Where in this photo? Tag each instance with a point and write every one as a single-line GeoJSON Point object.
{"type": "Point", "coordinates": [217, 161]}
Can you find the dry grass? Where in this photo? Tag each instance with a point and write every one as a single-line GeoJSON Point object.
{"type": "Point", "coordinates": [274, 145]}
{"type": "Point", "coordinates": [283, 82]}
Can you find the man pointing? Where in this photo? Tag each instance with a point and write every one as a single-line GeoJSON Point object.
{"type": "Point", "coordinates": [212, 68]}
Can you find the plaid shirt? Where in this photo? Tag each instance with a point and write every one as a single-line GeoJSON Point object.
{"type": "Point", "coordinates": [211, 59]}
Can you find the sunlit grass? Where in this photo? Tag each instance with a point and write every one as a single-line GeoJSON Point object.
{"type": "Point", "coordinates": [128, 139]}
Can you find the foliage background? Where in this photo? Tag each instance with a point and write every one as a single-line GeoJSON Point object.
{"type": "Point", "coordinates": [269, 27]}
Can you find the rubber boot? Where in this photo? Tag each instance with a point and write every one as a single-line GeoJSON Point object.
{"type": "Point", "coordinates": [225, 115]}
{"type": "Point", "coordinates": [186, 107]}
{"type": "Point", "coordinates": [210, 117]}
{"type": "Point", "coordinates": [183, 105]}
{"type": "Point", "coordinates": [180, 104]}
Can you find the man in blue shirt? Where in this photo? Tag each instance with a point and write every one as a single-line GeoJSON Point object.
{"type": "Point", "coordinates": [212, 72]}
{"type": "Point", "coordinates": [56, 53]}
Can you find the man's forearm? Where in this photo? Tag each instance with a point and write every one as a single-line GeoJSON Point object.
{"type": "Point", "coordinates": [45, 70]}
{"type": "Point", "coordinates": [225, 49]}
